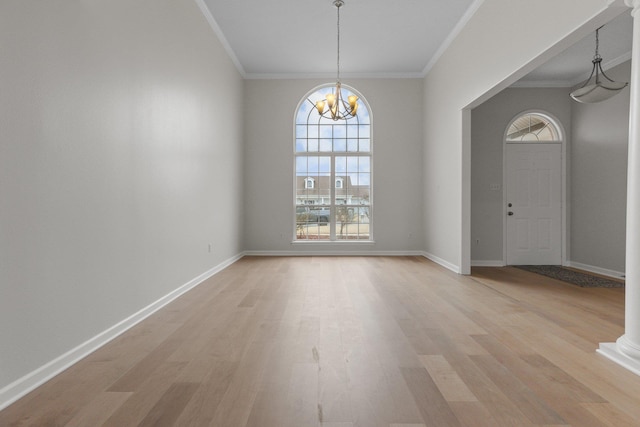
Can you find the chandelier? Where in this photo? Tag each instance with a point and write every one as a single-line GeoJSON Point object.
{"type": "Point", "coordinates": [339, 109]}
{"type": "Point", "coordinates": [599, 90]}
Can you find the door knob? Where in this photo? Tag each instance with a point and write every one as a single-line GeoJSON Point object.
{"type": "Point", "coordinates": [509, 213]}
{"type": "Point", "coordinates": [510, 204]}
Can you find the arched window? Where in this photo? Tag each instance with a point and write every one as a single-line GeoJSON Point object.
{"type": "Point", "coordinates": [533, 127]}
{"type": "Point", "coordinates": [336, 155]}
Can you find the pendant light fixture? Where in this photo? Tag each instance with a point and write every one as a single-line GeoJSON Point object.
{"type": "Point", "coordinates": [599, 90]}
{"type": "Point", "coordinates": [338, 108]}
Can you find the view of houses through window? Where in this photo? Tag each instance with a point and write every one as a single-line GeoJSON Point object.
{"type": "Point", "coordinates": [332, 173]}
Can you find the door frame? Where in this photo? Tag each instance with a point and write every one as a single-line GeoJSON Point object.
{"type": "Point", "coordinates": [564, 164]}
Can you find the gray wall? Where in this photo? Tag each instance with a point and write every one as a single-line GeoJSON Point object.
{"type": "Point", "coordinates": [599, 178]}
{"type": "Point", "coordinates": [120, 161]}
{"type": "Point", "coordinates": [489, 122]}
{"type": "Point", "coordinates": [597, 136]}
{"type": "Point", "coordinates": [397, 165]}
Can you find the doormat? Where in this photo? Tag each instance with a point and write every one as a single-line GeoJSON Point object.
{"type": "Point", "coordinates": [570, 276]}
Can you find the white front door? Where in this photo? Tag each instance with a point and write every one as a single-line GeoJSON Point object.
{"type": "Point", "coordinates": [534, 204]}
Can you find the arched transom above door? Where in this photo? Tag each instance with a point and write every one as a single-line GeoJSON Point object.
{"type": "Point", "coordinates": [533, 127]}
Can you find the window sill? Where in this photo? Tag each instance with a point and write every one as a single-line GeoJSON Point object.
{"type": "Point", "coordinates": [334, 242]}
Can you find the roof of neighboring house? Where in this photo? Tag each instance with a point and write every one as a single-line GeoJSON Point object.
{"type": "Point", "coordinates": [323, 184]}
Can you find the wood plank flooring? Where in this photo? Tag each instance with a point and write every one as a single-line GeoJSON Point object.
{"type": "Point", "coordinates": [355, 342]}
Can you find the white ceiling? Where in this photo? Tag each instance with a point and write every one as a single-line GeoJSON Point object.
{"type": "Point", "coordinates": [573, 66]}
{"type": "Point", "coordinates": [379, 38]}
{"type": "Point", "coordinates": [298, 37]}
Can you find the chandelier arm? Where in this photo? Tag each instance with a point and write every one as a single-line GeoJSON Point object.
{"type": "Point", "coordinates": [605, 76]}
{"type": "Point", "coordinates": [593, 70]}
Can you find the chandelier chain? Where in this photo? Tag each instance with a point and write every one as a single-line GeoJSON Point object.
{"type": "Point", "coordinates": [597, 43]}
{"type": "Point", "coordinates": [339, 107]}
{"type": "Point", "coordinates": [338, 4]}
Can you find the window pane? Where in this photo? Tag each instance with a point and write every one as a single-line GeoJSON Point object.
{"type": "Point", "coordinates": [324, 189]}
{"type": "Point", "coordinates": [326, 145]}
{"type": "Point", "coordinates": [533, 127]}
{"type": "Point", "coordinates": [364, 117]}
{"type": "Point", "coordinates": [352, 164]}
{"type": "Point", "coordinates": [339, 144]}
{"type": "Point", "coordinates": [312, 223]}
{"type": "Point", "coordinates": [339, 131]}
{"type": "Point", "coordinates": [301, 166]}
{"type": "Point", "coordinates": [325, 131]}
{"type": "Point", "coordinates": [303, 112]}
{"type": "Point", "coordinates": [324, 165]}
{"type": "Point", "coordinates": [313, 131]}
{"type": "Point", "coordinates": [301, 145]}
{"type": "Point", "coordinates": [313, 164]}
{"type": "Point", "coordinates": [364, 164]}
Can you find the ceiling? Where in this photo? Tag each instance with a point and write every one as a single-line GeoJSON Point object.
{"type": "Point", "coordinates": [297, 38]}
{"type": "Point", "coordinates": [379, 38]}
{"type": "Point", "coordinates": [573, 66]}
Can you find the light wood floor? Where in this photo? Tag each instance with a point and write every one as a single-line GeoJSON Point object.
{"type": "Point", "coordinates": [355, 342]}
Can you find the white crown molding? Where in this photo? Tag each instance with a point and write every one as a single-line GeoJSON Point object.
{"type": "Point", "coordinates": [223, 40]}
{"type": "Point", "coordinates": [570, 83]}
{"type": "Point", "coordinates": [542, 84]}
{"type": "Point", "coordinates": [452, 35]}
{"type": "Point", "coordinates": [331, 76]}
{"type": "Point", "coordinates": [635, 4]}
{"type": "Point", "coordinates": [34, 379]}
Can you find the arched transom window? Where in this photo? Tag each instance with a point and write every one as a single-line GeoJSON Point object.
{"type": "Point", "coordinates": [533, 127]}
{"type": "Point", "coordinates": [336, 155]}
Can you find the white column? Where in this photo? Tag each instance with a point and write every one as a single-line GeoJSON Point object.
{"type": "Point", "coordinates": [626, 350]}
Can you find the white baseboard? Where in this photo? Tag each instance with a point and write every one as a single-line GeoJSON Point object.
{"type": "Point", "coordinates": [593, 269]}
{"type": "Point", "coordinates": [34, 379]}
{"type": "Point", "coordinates": [446, 264]}
{"type": "Point", "coordinates": [329, 252]}
{"type": "Point", "coordinates": [487, 263]}
{"type": "Point", "coordinates": [610, 351]}
{"type": "Point", "coordinates": [332, 253]}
